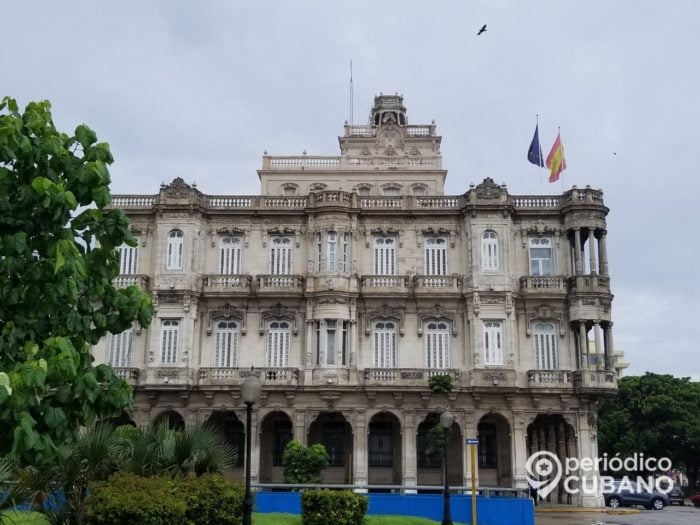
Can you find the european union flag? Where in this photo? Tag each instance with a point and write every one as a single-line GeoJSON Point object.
{"type": "Point", "coordinates": [534, 154]}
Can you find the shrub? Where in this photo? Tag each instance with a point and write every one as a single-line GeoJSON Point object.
{"type": "Point", "coordinates": [304, 464]}
{"type": "Point", "coordinates": [336, 507]}
{"type": "Point", "coordinates": [128, 498]}
{"type": "Point", "coordinates": [213, 500]}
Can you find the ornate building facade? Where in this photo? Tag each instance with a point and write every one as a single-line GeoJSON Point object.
{"type": "Point", "coordinates": [347, 284]}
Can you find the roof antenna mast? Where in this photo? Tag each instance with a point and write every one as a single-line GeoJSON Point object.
{"type": "Point", "coordinates": [352, 111]}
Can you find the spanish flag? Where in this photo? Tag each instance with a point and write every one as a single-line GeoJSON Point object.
{"type": "Point", "coordinates": [556, 162]}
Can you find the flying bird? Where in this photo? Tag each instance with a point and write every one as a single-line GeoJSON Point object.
{"type": "Point", "coordinates": [482, 30]}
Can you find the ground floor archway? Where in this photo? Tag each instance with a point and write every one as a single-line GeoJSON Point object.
{"type": "Point", "coordinates": [552, 433]}
{"type": "Point", "coordinates": [334, 432]}
{"type": "Point", "coordinates": [276, 432]}
{"type": "Point", "coordinates": [384, 450]}
{"type": "Point", "coordinates": [233, 430]}
{"type": "Point", "coordinates": [429, 459]}
{"type": "Point", "coordinates": [494, 451]}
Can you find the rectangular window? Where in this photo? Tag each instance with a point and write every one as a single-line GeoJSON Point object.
{"type": "Point", "coordinates": [384, 256]}
{"type": "Point", "coordinates": [488, 446]}
{"type": "Point", "coordinates": [384, 342]}
{"type": "Point", "coordinates": [333, 439]}
{"type": "Point", "coordinates": [120, 349]}
{"type": "Point", "coordinates": [169, 340]}
{"type": "Point", "coordinates": [437, 344]}
{"type": "Point", "coordinates": [545, 340]}
{"type": "Point", "coordinates": [344, 343]}
{"type": "Point", "coordinates": [493, 343]}
{"type": "Point", "coordinates": [175, 250]}
{"type": "Point", "coordinates": [281, 255]}
{"type": "Point", "coordinates": [128, 259]}
{"type": "Point", "coordinates": [344, 262]}
{"type": "Point", "coordinates": [230, 255]}
{"type": "Point", "coordinates": [541, 256]}
{"type": "Point", "coordinates": [226, 341]}
{"type": "Point", "coordinates": [435, 256]}
{"type": "Point", "coordinates": [278, 344]}
{"type": "Point", "coordinates": [332, 251]}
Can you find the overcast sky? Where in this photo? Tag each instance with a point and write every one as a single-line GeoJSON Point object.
{"type": "Point", "coordinates": [201, 89]}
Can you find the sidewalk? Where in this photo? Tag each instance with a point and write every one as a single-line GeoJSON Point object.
{"type": "Point", "coordinates": [561, 508]}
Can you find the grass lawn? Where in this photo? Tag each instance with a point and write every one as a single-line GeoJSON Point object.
{"type": "Point", "coordinates": [291, 519]}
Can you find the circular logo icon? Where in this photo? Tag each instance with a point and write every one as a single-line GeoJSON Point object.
{"type": "Point", "coordinates": [543, 470]}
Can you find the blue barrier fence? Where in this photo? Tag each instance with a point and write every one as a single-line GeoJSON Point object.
{"type": "Point", "coordinates": [490, 511]}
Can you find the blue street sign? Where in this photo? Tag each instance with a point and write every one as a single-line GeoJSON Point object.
{"type": "Point", "coordinates": [472, 441]}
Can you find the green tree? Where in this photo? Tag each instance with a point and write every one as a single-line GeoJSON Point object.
{"type": "Point", "coordinates": [57, 262]}
{"type": "Point", "coordinates": [304, 464]}
{"type": "Point", "coordinates": [658, 415]}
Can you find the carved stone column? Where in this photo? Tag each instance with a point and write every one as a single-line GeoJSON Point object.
{"type": "Point", "coordinates": [609, 348]}
{"type": "Point", "coordinates": [598, 345]}
{"type": "Point", "coordinates": [519, 450]}
{"type": "Point", "coordinates": [577, 251]}
{"type": "Point", "coordinates": [300, 426]}
{"type": "Point", "coordinates": [254, 446]}
{"type": "Point", "coordinates": [603, 253]}
{"type": "Point", "coordinates": [410, 461]}
{"type": "Point", "coordinates": [591, 252]}
{"type": "Point", "coordinates": [583, 343]}
{"type": "Point", "coordinates": [360, 450]}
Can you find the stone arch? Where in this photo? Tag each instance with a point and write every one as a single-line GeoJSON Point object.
{"type": "Point", "coordinates": [495, 451]}
{"type": "Point", "coordinates": [384, 448]}
{"type": "Point", "coordinates": [276, 429]}
{"type": "Point", "coordinates": [333, 430]}
{"type": "Point", "coordinates": [233, 430]}
{"type": "Point", "coordinates": [553, 433]}
{"type": "Point", "coordinates": [430, 465]}
{"type": "Point", "coordinates": [171, 418]}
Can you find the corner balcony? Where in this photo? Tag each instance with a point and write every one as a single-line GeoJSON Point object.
{"type": "Point", "coordinates": [122, 281]}
{"type": "Point", "coordinates": [168, 377]}
{"type": "Point", "coordinates": [235, 376]}
{"type": "Point", "coordinates": [492, 377]}
{"type": "Point", "coordinates": [384, 284]}
{"type": "Point", "coordinates": [130, 375]}
{"type": "Point", "coordinates": [437, 284]}
{"type": "Point", "coordinates": [543, 285]}
{"type": "Point", "coordinates": [227, 284]}
{"type": "Point", "coordinates": [589, 283]}
{"type": "Point", "coordinates": [270, 283]}
{"type": "Point", "coordinates": [407, 376]}
{"type": "Point", "coordinates": [549, 378]}
{"type": "Point", "coordinates": [595, 379]}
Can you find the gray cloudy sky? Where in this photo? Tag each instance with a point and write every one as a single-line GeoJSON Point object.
{"type": "Point", "coordinates": [201, 89]}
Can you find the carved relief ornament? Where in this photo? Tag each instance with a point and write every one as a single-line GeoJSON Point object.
{"type": "Point", "coordinates": [226, 312]}
{"type": "Point", "coordinates": [279, 311]}
{"type": "Point", "coordinates": [544, 312]}
{"type": "Point", "coordinates": [437, 312]}
{"type": "Point", "coordinates": [384, 312]}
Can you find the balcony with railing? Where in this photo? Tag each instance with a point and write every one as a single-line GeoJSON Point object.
{"type": "Point", "coordinates": [384, 284]}
{"type": "Point", "coordinates": [165, 377]}
{"type": "Point", "coordinates": [540, 285]}
{"type": "Point", "coordinates": [227, 284]}
{"type": "Point", "coordinates": [273, 283]}
{"type": "Point", "coordinates": [122, 281]}
{"type": "Point", "coordinates": [597, 379]}
{"type": "Point", "coordinates": [235, 376]}
{"type": "Point", "coordinates": [589, 283]}
{"type": "Point", "coordinates": [407, 376]}
{"type": "Point", "coordinates": [331, 376]}
{"type": "Point", "coordinates": [549, 378]}
{"type": "Point", "coordinates": [128, 374]}
{"type": "Point", "coordinates": [437, 284]}
{"type": "Point", "coordinates": [412, 130]}
{"type": "Point", "coordinates": [492, 377]}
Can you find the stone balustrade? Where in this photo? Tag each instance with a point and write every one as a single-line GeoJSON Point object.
{"type": "Point", "coordinates": [235, 376]}
{"type": "Point", "coordinates": [330, 376]}
{"type": "Point", "coordinates": [168, 376]}
{"type": "Point", "coordinates": [279, 283]}
{"type": "Point", "coordinates": [549, 378]}
{"type": "Point", "coordinates": [379, 283]}
{"type": "Point", "coordinates": [427, 284]}
{"type": "Point", "coordinates": [589, 283]}
{"type": "Point", "coordinates": [412, 130]}
{"type": "Point", "coordinates": [584, 379]}
{"type": "Point", "coordinates": [543, 284]}
{"type": "Point", "coordinates": [227, 283]}
{"type": "Point", "coordinates": [128, 374]}
{"type": "Point", "coordinates": [492, 377]}
{"type": "Point", "coordinates": [407, 376]}
{"type": "Point", "coordinates": [122, 281]}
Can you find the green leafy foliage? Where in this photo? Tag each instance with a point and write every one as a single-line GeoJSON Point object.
{"type": "Point", "coordinates": [304, 464]}
{"type": "Point", "coordinates": [658, 415]}
{"type": "Point", "coordinates": [440, 384]}
{"type": "Point", "coordinates": [339, 507]}
{"type": "Point", "coordinates": [128, 498]}
{"type": "Point", "coordinates": [57, 262]}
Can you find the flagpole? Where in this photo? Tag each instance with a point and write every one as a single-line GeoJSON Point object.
{"type": "Point", "coordinates": [537, 126]}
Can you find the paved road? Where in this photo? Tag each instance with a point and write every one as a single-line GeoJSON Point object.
{"type": "Point", "coordinates": [669, 516]}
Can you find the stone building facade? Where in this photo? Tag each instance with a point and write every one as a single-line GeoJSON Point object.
{"type": "Point", "coordinates": [350, 281]}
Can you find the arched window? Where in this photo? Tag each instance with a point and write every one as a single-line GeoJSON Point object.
{"type": "Point", "coordinates": [175, 250]}
{"type": "Point", "coordinates": [385, 346]}
{"type": "Point", "coordinates": [489, 251]}
{"type": "Point", "coordinates": [230, 255]}
{"type": "Point", "coordinates": [281, 255]}
{"type": "Point", "coordinates": [278, 335]}
{"type": "Point", "coordinates": [169, 341]}
{"type": "Point", "coordinates": [120, 349]}
{"type": "Point", "coordinates": [364, 190]}
{"type": "Point", "coordinates": [545, 341]}
{"type": "Point", "coordinates": [437, 344]}
{"type": "Point", "coordinates": [435, 256]}
{"type": "Point", "coordinates": [493, 343]}
{"type": "Point", "coordinates": [226, 344]}
{"type": "Point", "coordinates": [128, 259]}
{"type": "Point", "coordinates": [384, 256]}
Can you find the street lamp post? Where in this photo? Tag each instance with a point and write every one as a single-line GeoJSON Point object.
{"type": "Point", "coordinates": [250, 392]}
{"type": "Point", "coordinates": [446, 420]}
